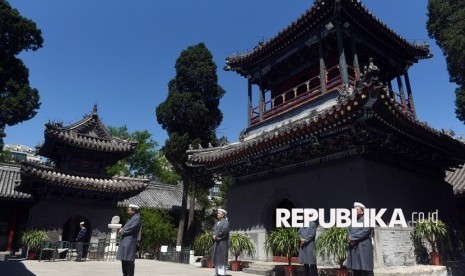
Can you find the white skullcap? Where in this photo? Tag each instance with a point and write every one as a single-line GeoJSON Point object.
{"type": "Point", "coordinates": [222, 211]}
{"type": "Point", "coordinates": [82, 223]}
{"type": "Point", "coordinates": [134, 206]}
{"type": "Point", "coordinates": [358, 204]}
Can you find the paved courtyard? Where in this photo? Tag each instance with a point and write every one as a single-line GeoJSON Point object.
{"type": "Point", "coordinates": [101, 268]}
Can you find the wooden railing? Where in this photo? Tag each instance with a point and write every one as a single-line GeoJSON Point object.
{"type": "Point", "coordinates": [402, 102]}
{"type": "Point", "coordinates": [302, 93]}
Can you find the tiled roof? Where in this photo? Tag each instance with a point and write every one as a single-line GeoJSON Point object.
{"type": "Point", "coordinates": [56, 178]}
{"type": "Point", "coordinates": [9, 176]}
{"type": "Point", "coordinates": [80, 140]}
{"type": "Point", "coordinates": [157, 195]}
{"type": "Point", "coordinates": [318, 13]}
{"type": "Point", "coordinates": [88, 133]}
{"type": "Point", "coordinates": [457, 179]}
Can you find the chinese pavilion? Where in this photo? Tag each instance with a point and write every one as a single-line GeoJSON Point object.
{"type": "Point", "coordinates": [331, 120]}
{"type": "Point", "coordinates": [75, 186]}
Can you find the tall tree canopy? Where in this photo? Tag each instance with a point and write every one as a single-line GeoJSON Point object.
{"type": "Point", "coordinates": [146, 161]}
{"type": "Point", "coordinates": [446, 24]}
{"type": "Point", "coordinates": [18, 101]}
{"type": "Point", "coordinates": [190, 114]}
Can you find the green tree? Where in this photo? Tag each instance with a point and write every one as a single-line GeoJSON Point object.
{"type": "Point", "coordinates": [221, 200]}
{"type": "Point", "coordinates": [146, 161]}
{"type": "Point", "coordinates": [446, 24]}
{"type": "Point", "coordinates": [190, 115]}
{"type": "Point", "coordinates": [18, 101]}
{"type": "Point", "coordinates": [5, 156]}
{"type": "Point", "coordinates": [157, 229]}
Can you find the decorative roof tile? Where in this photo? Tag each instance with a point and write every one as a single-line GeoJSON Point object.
{"type": "Point", "coordinates": [457, 179]}
{"type": "Point", "coordinates": [9, 177]}
{"type": "Point", "coordinates": [88, 133]}
{"type": "Point", "coordinates": [157, 195]}
{"type": "Point", "coordinates": [56, 178]}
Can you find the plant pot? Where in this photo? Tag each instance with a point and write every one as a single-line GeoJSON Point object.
{"type": "Point", "coordinates": [342, 272]}
{"type": "Point", "coordinates": [208, 262]}
{"type": "Point", "coordinates": [283, 259]}
{"type": "Point", "coordinates": [236, 266]}
{"type": "Point", "coordinates": [289, 270]}
{"type": "Point", "coordinates": [436, 258]}
{"type": "Point", "coordinates": [32, 255]}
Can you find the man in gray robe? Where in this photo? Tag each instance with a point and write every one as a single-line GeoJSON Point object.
{"type": "Point", "coordinates": [360, 255]}
{"type": "Point", "coordinates": [307, 247]}
{"type": "Point", "coordinates": [221, 243]}
{"type": "Point", "coordinates": [128, 243]}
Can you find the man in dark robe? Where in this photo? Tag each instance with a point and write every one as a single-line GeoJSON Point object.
{"type": "Point", "coordinates": [360, 255]}
{"type": "Point", "coordinates": [80, 239]}
{"type": "Point", "coordinates": [221, 243]}
{"type": "Point", "coordinates": [128, 243]}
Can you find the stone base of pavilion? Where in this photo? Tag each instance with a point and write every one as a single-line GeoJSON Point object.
{"type": "Point", "coordinates": [277, 269]}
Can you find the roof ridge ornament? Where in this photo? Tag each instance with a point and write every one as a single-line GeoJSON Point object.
{"type": "Point", "coordinates": [94, 109]}
{"type": "Point", "coordinates": [369, 75]}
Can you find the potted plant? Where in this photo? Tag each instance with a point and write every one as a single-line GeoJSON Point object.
{"type": "Point", "coordinates": [203, 244]}
{"type": "Point", "coordinates": [239, 244]}
{"type": "Point", "coordinates": [33, 239]}
{"type": "Point", "coordinates": [285, 242]}
{"type": "Point", "coordinates": [432, 231]}
{"type": "Point", "coordinates": [332, 243]}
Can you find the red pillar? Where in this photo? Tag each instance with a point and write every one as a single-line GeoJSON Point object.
{"type": "Point", "coordinates": [12, 227]}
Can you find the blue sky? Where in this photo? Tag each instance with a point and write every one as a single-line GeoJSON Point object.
{"type": "Point", "coordinates": [120, 55]}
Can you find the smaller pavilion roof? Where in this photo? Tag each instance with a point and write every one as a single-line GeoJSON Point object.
{"type": "Point", "coordinates": [9, 178]}
{"type": "Point", "coordinates": [157, 195]}
{"type": "Point", "coordinates": [89, 133]}
{"type": "Point", "coordinates": [52, 177]}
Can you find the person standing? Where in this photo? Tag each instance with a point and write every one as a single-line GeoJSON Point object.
{"type": "Point", "coordinates": [307, 248]}
{"type": "Point", "coordinates": [221, 243]}
{"type": "Point", "coordinates": [360, 254]}
{"type": "Point", "coordinates": [128, 242]}
{"type": "Point", "coordinates": [80, 239]}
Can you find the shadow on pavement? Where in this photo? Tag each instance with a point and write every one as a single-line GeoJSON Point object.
{"type": "Point", "coordinates": [14, 268]}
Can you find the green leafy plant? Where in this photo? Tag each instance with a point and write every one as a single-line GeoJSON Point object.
{"type": "Point", "coordinates": [203, 244]}
{"type": "Point", "coordinates": [432, 231]}
{"type": "Point", "coordinates": [283, 241]}
{"type": "Point", "coordinates": [240, 243]}
{"type": "Point", "coordinates": [158, 229]}
{"type": "Point", "coordinates": [332, 243]}
{"type": "Point", "coordinates": [33, 239]}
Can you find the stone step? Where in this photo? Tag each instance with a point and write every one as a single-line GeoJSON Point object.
{"type": "Point", "coordinates": [260, 265]}
{"type": "Point", "coordinates": [258, 271]}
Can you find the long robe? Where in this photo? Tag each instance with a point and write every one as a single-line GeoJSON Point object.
{"type": "Point", "coordinates": [221, 243]}
{"type": "Point", "coordinates": [128, 243]}
{"type": "Point", "coordinates": [307, 249]}
{"type": "Point", "coordinates": [360, 255]}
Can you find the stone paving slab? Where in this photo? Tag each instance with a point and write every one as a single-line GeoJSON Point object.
{"type": "Point", "coordinates": [417, 270]}
{"type": "Point", "coordinates": [155, 268]}
{"type": "Point", "coordinates": [101, 268]}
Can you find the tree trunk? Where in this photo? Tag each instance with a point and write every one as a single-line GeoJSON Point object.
{"type": "Point", "coordinates": [190, 221]}
{"type": "Point", "coordinates": [182, 217]}
{"type": "Point", "coordinates": [2, 135]}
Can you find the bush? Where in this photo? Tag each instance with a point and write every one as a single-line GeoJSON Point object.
{"type": "Point", "coordinates": [157, 230]}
